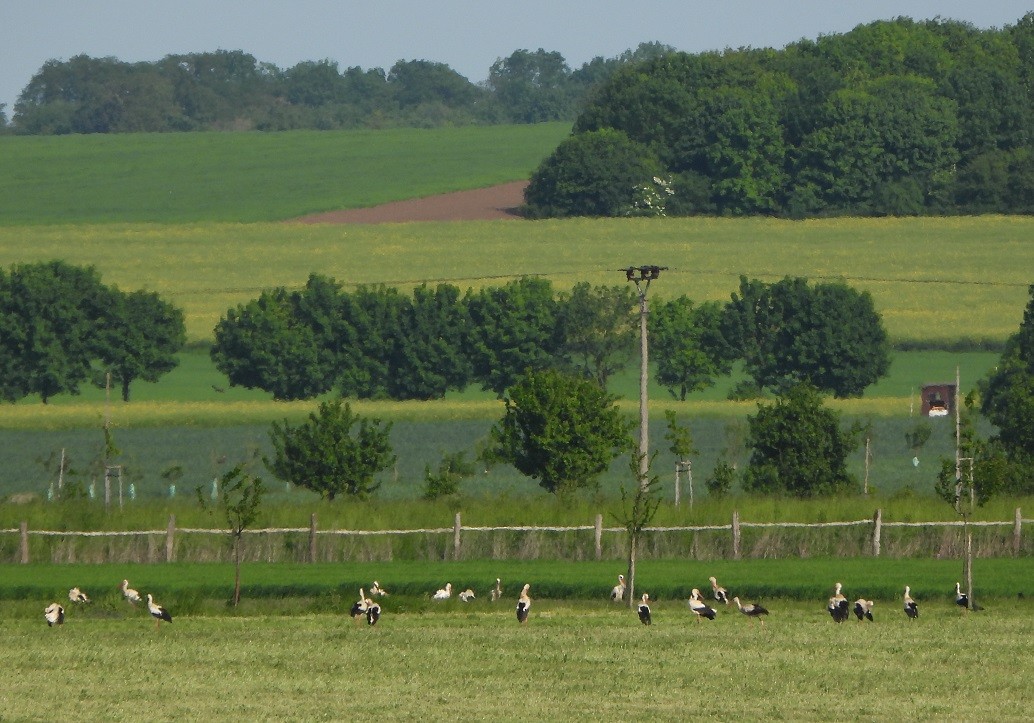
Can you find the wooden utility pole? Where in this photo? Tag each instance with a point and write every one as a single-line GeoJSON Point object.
{"type": "Point", "coordinates": [641, 276]}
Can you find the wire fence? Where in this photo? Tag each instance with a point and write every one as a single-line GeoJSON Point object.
{"type": "Point", "coordinates": [312, 544]}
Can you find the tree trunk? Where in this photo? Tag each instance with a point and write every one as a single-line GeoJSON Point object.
{"type": "Point", "coordinates": [236, 570]}
{"type": "Point", "coordinates": [633, 545]}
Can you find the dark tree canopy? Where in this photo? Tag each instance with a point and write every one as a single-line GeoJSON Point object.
{"type": "Point", "coordinates": [600, 329]}
{"type": "Point", "coordinates": [798, 447]}
{"type": "Point", "coordinates": [61, 326]}
{"type": "Point", "coordinates": [591, 174]}
{"type": "Point", "coordinates": [513, 328]}
{"type": "Point", "coordinates": [892, 118]}
{"type": "Point", "coordinates": [687, 345]}
{"type": "Point", "coordinates": [1007, 394]}
{"type": "Point", "coordinates": [333, 452]}
{"type": "Point", "coordinates": [560, 429]}
{"type": "Point", "coordinates": [828, 335]}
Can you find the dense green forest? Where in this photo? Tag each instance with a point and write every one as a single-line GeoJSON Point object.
{"type": "Point", "coordinates": [893, 118]}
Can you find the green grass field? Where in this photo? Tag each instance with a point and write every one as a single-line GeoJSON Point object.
{"type": "Point", "coordinates": [245, 177]}
{"type": "Point", "coordinates": [936, 281]}
{"type": "Point", "coordinates": [574, 660]}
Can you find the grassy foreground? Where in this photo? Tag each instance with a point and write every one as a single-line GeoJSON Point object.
{"type": "Point", "coordinates": [570, 662]}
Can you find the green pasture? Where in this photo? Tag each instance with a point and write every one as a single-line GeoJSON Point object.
{"type": "Point", "coordinates": [245, 177]}
{"type": "Point", "coordinates": [574, 659]}
{"type": "Point", "coordinates": [938, 282]}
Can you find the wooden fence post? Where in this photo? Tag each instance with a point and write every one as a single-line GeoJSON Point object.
{"type": "Point", "coordinates": [736, 534]}
{"type": "Point", "coordinates": [599, 537]}
{"type": "Point", "coordinates": [170, 537]}
{"type": "Point", "coordinates": [312, 538]}
{"type": "Point", "coordinates": [456, 527]}
{"type": "Point", "coordinates": [877, 529]}
{"type": "Point", "coordinates": [24, 546]}
{"type": "Point", "coordinates": [1017, 531]}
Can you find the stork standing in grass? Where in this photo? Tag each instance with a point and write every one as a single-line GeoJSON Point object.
{"type": "Point", "coordinates": [720, 593]}
{"type": "Point", "coordinates": [699, 607]}
{"type": "Point", "coordinates": [497, 591]}
{"type": "Point", "coordinates": [644, 610]}
{"type": "Point", "coordinates": [863, 609]}
{"type": "Point", "coordinates": [54, 615]}
{"type": "Point", "coordinates": [961, 598]}
{"type": "Point", "coordinates": [377, 590]}
{"type": "Point", "coordinates": [523, 604]}
{"type": "Point", "coordinates": [838, 605]}
{"type": "Point", "coordinates": [373, 612]}
{"type": "Point", "coordinates": [467, 595]}
{"type": "Point", "coordinates": [618, 591]}
{"type": "Point", "coordinates": [751, 610]}
{"type": "Point", "coordinates": [157, 612]}
{"type": "Point", "coordinates": [911, 609]}
{"type": "Point", "coordinates": [359, 606]}
{"type": "Point", "coordinates": [78, 596]}
{"type": "Point", "coordinates": [131, 595]}
{"type": "Point", "coordinates": [445, 593]}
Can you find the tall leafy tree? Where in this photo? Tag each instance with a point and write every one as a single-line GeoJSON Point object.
{"type": "Point", "coordinates": [371, 317]}
{"type": "Point", "coordinates": [333, 452]}
{"type": "Point", "coordinates": [828, 335]}
{"type": "Point", "coordinates": [50, 314]}
{"type": "Point", "coordinates": [1007, 393]}
{"type": "Point", "coordinates": [513, 328]}
{"type": "Point", "coordinates": [687, 343]}
{"type": "Point", "coordinates": [600, 329]}
{"type": "Point", "coordinates": [139, 338]}
{"type": "Point", "coordinates": [265, 345]}
{"type": "Point", "coordinates": [560, 429]}
{"type": "Point", "coordinates": [428, 358]}
{"type": "Point", "coordinates": [532, 87]}
{"type": "Point", "coordinates": [591, 174]}
{"type": "Point", "coordinates": [798, 447]}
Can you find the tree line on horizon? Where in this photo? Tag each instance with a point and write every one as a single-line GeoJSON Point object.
{"type": "Point", "coordinates": [232, 90]}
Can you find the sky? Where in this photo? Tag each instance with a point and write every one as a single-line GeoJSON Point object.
{"type": "Point", "coordinates": [467, 35]}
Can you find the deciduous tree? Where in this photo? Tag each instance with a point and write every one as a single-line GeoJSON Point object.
{"type": "Point", "coordinates": [334, 451]}
{"type": "Point", "coordinates": [561, 429]}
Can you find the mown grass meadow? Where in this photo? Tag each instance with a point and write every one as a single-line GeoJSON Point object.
{"type": "Point", "coordinates": [573, 660]}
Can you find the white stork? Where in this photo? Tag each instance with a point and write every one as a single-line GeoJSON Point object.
{"type": "Point", "coordinates": [359, 606]}
{"type": "Point", "coordinates": [131, 595]}
{"type": "Point", "coordinates": [445, 593]}
{"type": "Point", "coordinates": [377, 590]}
{"type": "Point", "coordinates": [863, 609]}
{"type": "Point", "coordinates": [467, 595]}
{"type": "Point", "coordinates": [644, 610]}
{"type": "Point", "coordinates": [618, 591]}
{"type": "Point", "coordinates": [373, 612]}
{"type": "Point", "coordinates": [78, 596]}
{"type": "Point", "coordinates": [751, 610]}
{"type": "Point", "coordinates": [523, 604]}
{"type": "Point", "coordinates": [911, 609]}
{"type": "Point", "coordinates": [838, 605]}
{"type": "Point", "coordinates": [54, 614]}
{"type": "Point", "coordinates": [157, 612]}
{"type": "Point", "coordinates": [497, 591]}
{"type": "Point", "coordinates": [961, 598]}
{"type": "Point", "coordinates": [720, 593]}
{"type": "Point", "coordinates": [699, 607]}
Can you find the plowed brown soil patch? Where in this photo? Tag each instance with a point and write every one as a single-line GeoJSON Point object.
{"type": "Point", "coordinates": [482, 204]}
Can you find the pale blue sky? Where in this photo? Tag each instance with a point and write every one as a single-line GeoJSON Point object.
{"type": "Point", "coordinates": [468, 35]}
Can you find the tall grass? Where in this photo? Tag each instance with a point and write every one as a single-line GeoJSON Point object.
{"type": "Point", "coordinates": [935, 281]}
{"type": "Point", "coordinates": [246, 177]}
